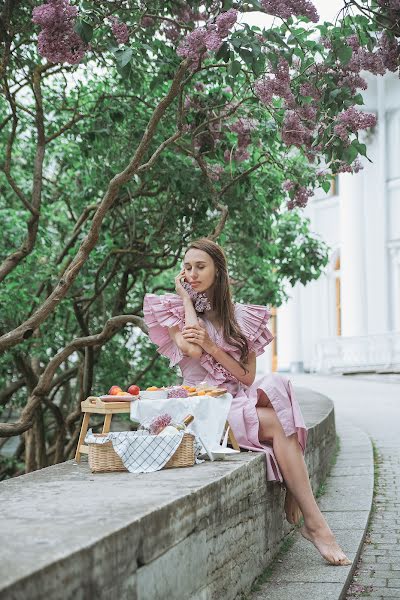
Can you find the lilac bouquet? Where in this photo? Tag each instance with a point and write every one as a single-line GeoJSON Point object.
{"type": "Point", "coordinates": [200, 301]}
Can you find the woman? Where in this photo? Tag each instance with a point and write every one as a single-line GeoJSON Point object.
{"type": "Point", "coordinates": [220, 348]}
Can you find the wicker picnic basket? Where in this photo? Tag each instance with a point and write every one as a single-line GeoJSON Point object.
{"type": "Point", "coordinates": [103, 458]}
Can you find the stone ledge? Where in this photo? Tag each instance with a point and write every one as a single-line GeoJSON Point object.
{"type": "Point", "coordinates": [202, 533]}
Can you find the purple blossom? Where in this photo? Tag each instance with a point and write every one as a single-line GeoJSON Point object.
{"type": "Point", "coordinates": [353, 41]}
{"type": "Point", "coordinates": [294, 131]}
{"type": "Point", "coordinates": [210, 37]}
{"type": "Point", "coordinates": [287, 8]}
{"type": "Point", "coordinates": [241, 154]}
{"type": "Point", "coordinates": [353, 81]}
{"type": "Point", "coordinates": [225, 21]}
{"type": "Point", "coordinates": [157, 424]}
{"type": "Point", "coordinates": [300, 196]}
{"type": "Point", "coordinates": [352, 120]}
{"type": "Point", "coordinates": [120, 30]}
{"type": "Point", "coordinates": [343, 167]}
{"type": "Point", "coordinates": [56, 13]}
{"type": "Point", "coordinates": [200, 301]}
{"type": "Point", "coordinates": [309, 89]}
{"type": "Point", "coordinates": [147, 21]}
{"type": "Point", "coordinates": [213, 39]}
{"type": "Point", "coordinates": [215, 172]}
{"type": "Point", "coordinates": [277, 85]}
{"type": "Point", "coordinates": [193, 44]}
{"type": "Point", "coordinates": [171, 32]}
{"type": "Point", "coordinates": [390, 52]}
{"type": "Point", "coordinates": [244, 126]}
{"type": "Point", "coordinates": [58, 42]}
{"type": "Point", "coordinates": [362, 59]}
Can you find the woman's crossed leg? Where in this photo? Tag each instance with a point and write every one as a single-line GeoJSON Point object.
{"type": "Point", "coordinates": [294, 471]}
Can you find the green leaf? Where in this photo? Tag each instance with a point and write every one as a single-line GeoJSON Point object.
{"type": "Point", "coordinates": [223, 52]}
{"type": "Point", "coordinates": [123, 57]}
{"type": "Point", "coordinates": [84, 30]}
{"type": "Point", "coordinates": [234, 68]}
{"type": "Point", "coordinates": [350, 154]}
{"type": "Point", "coordinates": [247, 55]}
{"type": "Point", "coordinates": [344, 53]}
{"type": "Point", "coordinates": [326, 186]}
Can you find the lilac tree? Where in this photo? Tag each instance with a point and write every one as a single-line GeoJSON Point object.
{"type": "Point", "coordinates": [196, 118]}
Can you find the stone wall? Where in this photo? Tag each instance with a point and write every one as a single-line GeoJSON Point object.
{"type": "Point", "coordinates": [204, 533]}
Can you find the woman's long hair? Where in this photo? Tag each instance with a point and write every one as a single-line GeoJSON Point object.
{"type": "Point", "coordinates": [222, 299]}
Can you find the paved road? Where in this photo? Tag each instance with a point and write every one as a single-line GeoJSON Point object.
{"type": "Point", "coordinates": [374, 406]}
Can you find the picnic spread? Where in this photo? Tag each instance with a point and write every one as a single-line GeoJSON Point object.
{"type": "Point", "coordinates": [177, 426]}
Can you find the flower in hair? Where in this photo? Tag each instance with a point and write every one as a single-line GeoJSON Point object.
{"type": "Point", "coordinates": [200, 301]}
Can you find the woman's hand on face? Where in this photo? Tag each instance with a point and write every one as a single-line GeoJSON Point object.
{"type": "Point", "coordinates": [180, 290]}
{"type": "Point", "coordinates": [196, 334]}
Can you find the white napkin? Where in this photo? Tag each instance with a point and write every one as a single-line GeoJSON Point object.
{"type": "Point", "coordinates": [210, 414]}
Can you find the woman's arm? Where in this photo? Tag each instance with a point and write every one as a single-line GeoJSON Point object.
{"type": "Point", "coordinates": [188, 348]}
{"type": "Point", "coordinates": [198, 334]}
{"type": "Point", "coordinates": [234, 367]}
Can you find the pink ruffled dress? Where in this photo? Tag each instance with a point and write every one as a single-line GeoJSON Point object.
{"type": "Point", "coordinates": [164, 311]}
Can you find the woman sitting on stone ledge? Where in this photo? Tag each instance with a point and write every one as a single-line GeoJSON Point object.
{"type": "Point", "coordinates": [221, 349]}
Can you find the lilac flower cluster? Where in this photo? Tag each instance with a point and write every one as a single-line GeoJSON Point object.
{"type": "Point", "coordinates": [309, 89]}
{"type": "Point", "coordinates": [147, 21]}
{"type": "Point", "coordinates": [158, 423]}
{"type": "Point", "coordinates": [301, 194]}
{"type": "Point", "coordinates": [343, 167]}
{"type": "Point", "coordinates": [294, 131]}
{"type": "Point", "coordinates": [363, 59]}
{"type": "Point", "coordinates": [352, 120]}
{"type": "Point", "coordinates": [390, 4]}
{"type": "Point", "coordinates": [390, 52]}
{"type": "Point", "coordinates": [215, 172]}
{"type": "Point", "coordinates": [243, 127]}
{"type": "Point", "coordinates": [58, 42]}
{"type": "Point", "coordinates": [207, 38]}
{"type": "Point", "coordinates": [287, 8]}
{"type": "Point", "coordinates": [120, 30]}
{"type": "Point", "coordinates": [276, 85]}
{"type": "Point", "coordinates": [200, 301]}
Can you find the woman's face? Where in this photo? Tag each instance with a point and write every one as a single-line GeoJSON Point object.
{"type": "Point", "coordinates": [199, 269]}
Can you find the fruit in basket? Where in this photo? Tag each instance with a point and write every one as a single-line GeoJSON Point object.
{"type": "Point", "coordinates": [178, 392]}
{"type": "Point", "coordinates": [121, 393]}
{"type": "Point", "coordinates": [134, 390]}
{"type": "Point", "coordinates": [114, 390]}
{"type": "Point", "coordinates": [152, 388]}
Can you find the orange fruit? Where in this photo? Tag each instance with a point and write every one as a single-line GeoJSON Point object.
{"type": "Point", "coordinates": [153, 388]}
{"type": "Point", "coordinates": [201, 393]}
{"type": "Point", "coordinates": [191, 389]}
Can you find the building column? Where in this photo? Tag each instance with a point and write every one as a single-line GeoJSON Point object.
{"type": "Point", "coordinates": [289, 329]}
{"type": "Point", "coordinates": [353, 281]}
{"type": "Point", "coordinates": [395, 258]}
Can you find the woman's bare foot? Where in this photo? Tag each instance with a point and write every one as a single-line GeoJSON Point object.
{"type": "Point", "coordinates": [292, 509]}
{"type": "Point", "coordinates": [324, 540]}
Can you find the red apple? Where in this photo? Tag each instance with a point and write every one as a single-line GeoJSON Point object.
{"type": "Point", "coordinates": [114, 390]}
{"type": "Point", "coordinates": [134, 390]}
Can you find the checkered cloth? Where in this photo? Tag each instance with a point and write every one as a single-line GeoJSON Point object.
{"type": "Point", "coordinates": [141, 452]}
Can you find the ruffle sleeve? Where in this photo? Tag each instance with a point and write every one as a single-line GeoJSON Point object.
{"type": "Point", "coordinates": [160, 313]}
{"type": "Point", "coordinates": [252, 320]}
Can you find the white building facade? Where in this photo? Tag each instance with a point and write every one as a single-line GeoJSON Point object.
{"type": "Point", "coordinates": [349, 319]}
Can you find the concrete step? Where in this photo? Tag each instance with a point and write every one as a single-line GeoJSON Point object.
{"type": "Point", "coordinates": [301, 572]}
